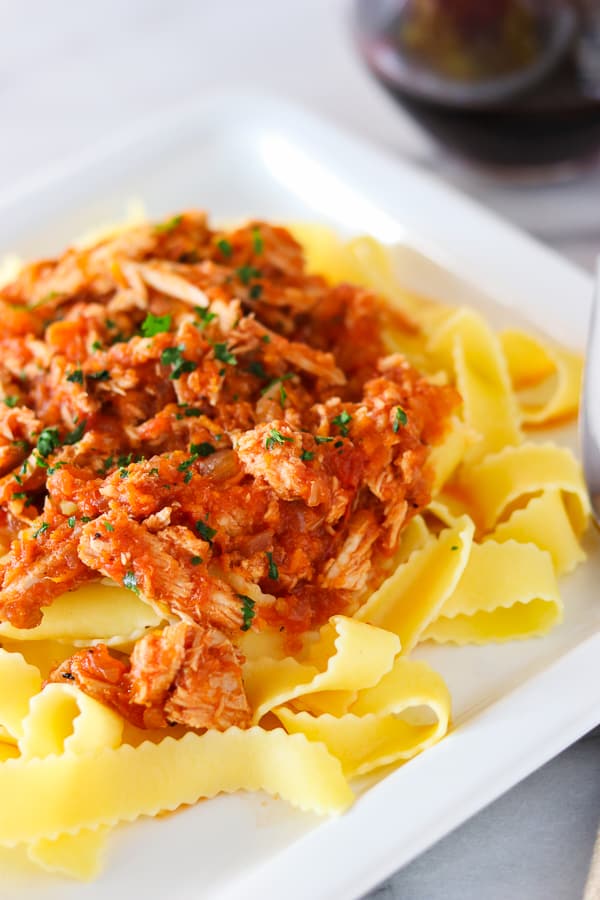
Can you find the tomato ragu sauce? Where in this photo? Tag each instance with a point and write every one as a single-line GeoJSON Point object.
{"type": "Point", "coordinates": [189, 413]}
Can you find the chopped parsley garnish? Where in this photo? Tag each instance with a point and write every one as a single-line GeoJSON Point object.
{"type": "Point", "coordinates": [74, 436]}
{"type": "Point", "coordinates": [276, 381]}
{"type": "Point", "coordinates": [43, 527]}
{"type": "Point", "coordinates": [156, 324]}
{"type": "Point", "coordinates": [319, 439]}
{"type": "Point", "coordinates": [169, 225]}
{"type": "Point", "coordinates": [399, 419]}
{"type": "Point", "coordinates": [342, 422]}
{"type": "Point", "coordinates": [202, 449]}
{"type": "Point", "coordinates": [192, 413]}
{"type": "Point", "coordinates": [86, 519]}
{"type": "Point", "coordinates": [205, 315]}
{"type": "Point", "coordinates": [247, 273]}
{"type": "Point", "coordinates": [130, 581]}
{"type": "Point", "coordinates": [48, 441]}
{"type": "Point", "coordinates": [225, 247]}
{"type": "Point", "coordinates": [23, 445]}
{"type": "Point", "coordinates": [277, 438]}
{"type": "Point", "coordinates": [153, 471]}
{"type": "Point", "coordinates": [205, 531]}
{"type": "Point", "coordinates": [224, 355]}
{"type": "Point", "coordinates": [196, 560]}
{"type": "Point", "coordinates": [172, 356]}
{"type": "Point", "coordinates": [76, 376]}
{"type": "Point", "coordinates": [11, 401]}
{"type": "Point", "coordinates": [255, 293]}
{"type": "Point", "coordinates": [108, 526]}
{"type": "Point", "coordinates": [307, 455]}
{"type": "Point", "coordinates": [188, 476]}
{"type": "Point", "coordinates": [19, 495]}
{"type": "Point", "coordinates": [97, 345]}
{"type": "Point", "coordinates": [273, 570]}
{"type": "Point", "coordinates": [257, 241]}
{"type": "Point", "coordinates": [71, 521]}
{"type": "Point", "coordinates": [454, 547]}
{"type": "Point", "coordinates": [257, 368]}
{"type": "Point", "coordinates": [110, 324]}
{"type": "Point", "coordinates": [102, 375]}
{"type": "Point", "coordinates": [266, 338]}
{"type": "Point", "coordinates": [338, 444]}
{"type": "Point", "coordinates": [248, 612]}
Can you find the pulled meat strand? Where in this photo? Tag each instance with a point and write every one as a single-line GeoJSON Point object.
{"type": "Point", "coordinates": [189, 413]}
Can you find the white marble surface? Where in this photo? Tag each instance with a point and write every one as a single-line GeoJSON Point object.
{"type": "Point", "coordinates": [72, 72]}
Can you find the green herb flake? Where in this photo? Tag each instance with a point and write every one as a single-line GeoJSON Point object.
{"type": "Point", "coordinates": [97, 345]}
{"type": "Point", "coordinates": [400, 418]}
{"type": "Point", "coordinates": [43, 527]}
{"type": "Point", "coordinates": [71, 521]}
{"type": "Point", "coordinates": [130, 581]}
{"type": "Point", "coordinates": [307, 455]}
{"type": "Point", "coordinates": [256, 368]}
{"type": "Point", "coordinates": [205, 531]}
{"type": "Point", "coordinates": [258, 243]}
{"type": "Point", "coordinates": [454, 547]}
{"type": "Point", "coordinates": [196, 560]}
{"type": "Point", "coordinates": [273, 570]}
{"type": "Point", "coordinates": [74, 436]}
{"type": "Point", "coordinates": [225, 247]}
{"type": "Point", "coordinates": [172, 356]}
{"type": "Point", "coordinates": [76, 376]}
{"type": "Point", "coordinates": [276, 438]}
{"type": "Point", "coordinates": [255, 294]}
{"type": "Point", "coordinates": [110, 324]}
{"type": "Point", "coordinates": [342, 422]}
{"type": "Point", "coordinates": [205, 316]}
{"type": "Point", "coordinates": [86, 519]}
{"type": "Point", "coordinates": [223, 354]}
{"type": "Point", "coordinates": [248, 612]}
{"type": "Point", "coordinates": [108, 526]}
{"type": "Point", "coordinates": [203, 449]}
{"type": "Point", "coordinates": [275, 381]}
{"type": "Point", "coordinates": [11, 401]}
{"type": "Point", "coordinates": [20, 495]}
{"type": "Point", "coordinates": [319, 439]}
{"type": "Point", "coordinates": [48, 441]}
{"type": "Point", "coordinates": [169, 225]}
{"type": "Point", "coordinates": [266, 338]}
{"type": "Point", "coordinates": [247, 273]}
{"type": "Point", "coordinates": [192, 413]}
{"type": "Point", "coordinates": [153, 325]}
{"type": "Point", "coordinates": [102, 375]}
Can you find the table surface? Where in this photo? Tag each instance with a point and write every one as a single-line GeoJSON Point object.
{"type": "Point", "coordinates": [71, 73]}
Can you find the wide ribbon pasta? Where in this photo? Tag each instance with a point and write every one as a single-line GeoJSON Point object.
{"type": "Point", "coordinates": [95, 612]}
{"type": "Point", "coordinates": [491, 604]}
{"type": "Point", "coordinates": [415, 593]}
{"type": "Point", "coordinates": [504, 478]}
{"type": "Point", "coordinates": [349, 655]}
{"type": "Point", "coordinates": [378, 728]}
{"type": "Point", "coordinates": [546, 377]}
{"type": "Point", "coordinates": [113, 785]}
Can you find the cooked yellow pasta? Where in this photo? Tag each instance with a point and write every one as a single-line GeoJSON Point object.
{"type": "Point", "coordinates": [479, 564]}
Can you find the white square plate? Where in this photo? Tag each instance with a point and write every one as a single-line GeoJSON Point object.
{"type": "Point", "coordinates": [516, 704]}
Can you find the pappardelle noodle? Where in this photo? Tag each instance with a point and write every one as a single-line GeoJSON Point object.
{"type": "Point", "coordinates": [243, 474]}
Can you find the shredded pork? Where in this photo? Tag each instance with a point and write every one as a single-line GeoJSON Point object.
{"type": "Point", "coordinates": [187, 411]}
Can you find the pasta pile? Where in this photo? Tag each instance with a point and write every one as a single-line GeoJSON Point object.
{"type": "Point", "coordinates": [481, 564]}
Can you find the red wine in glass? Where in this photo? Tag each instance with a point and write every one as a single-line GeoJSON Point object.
{"type": "Point", "coordinates": [508, 83]}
